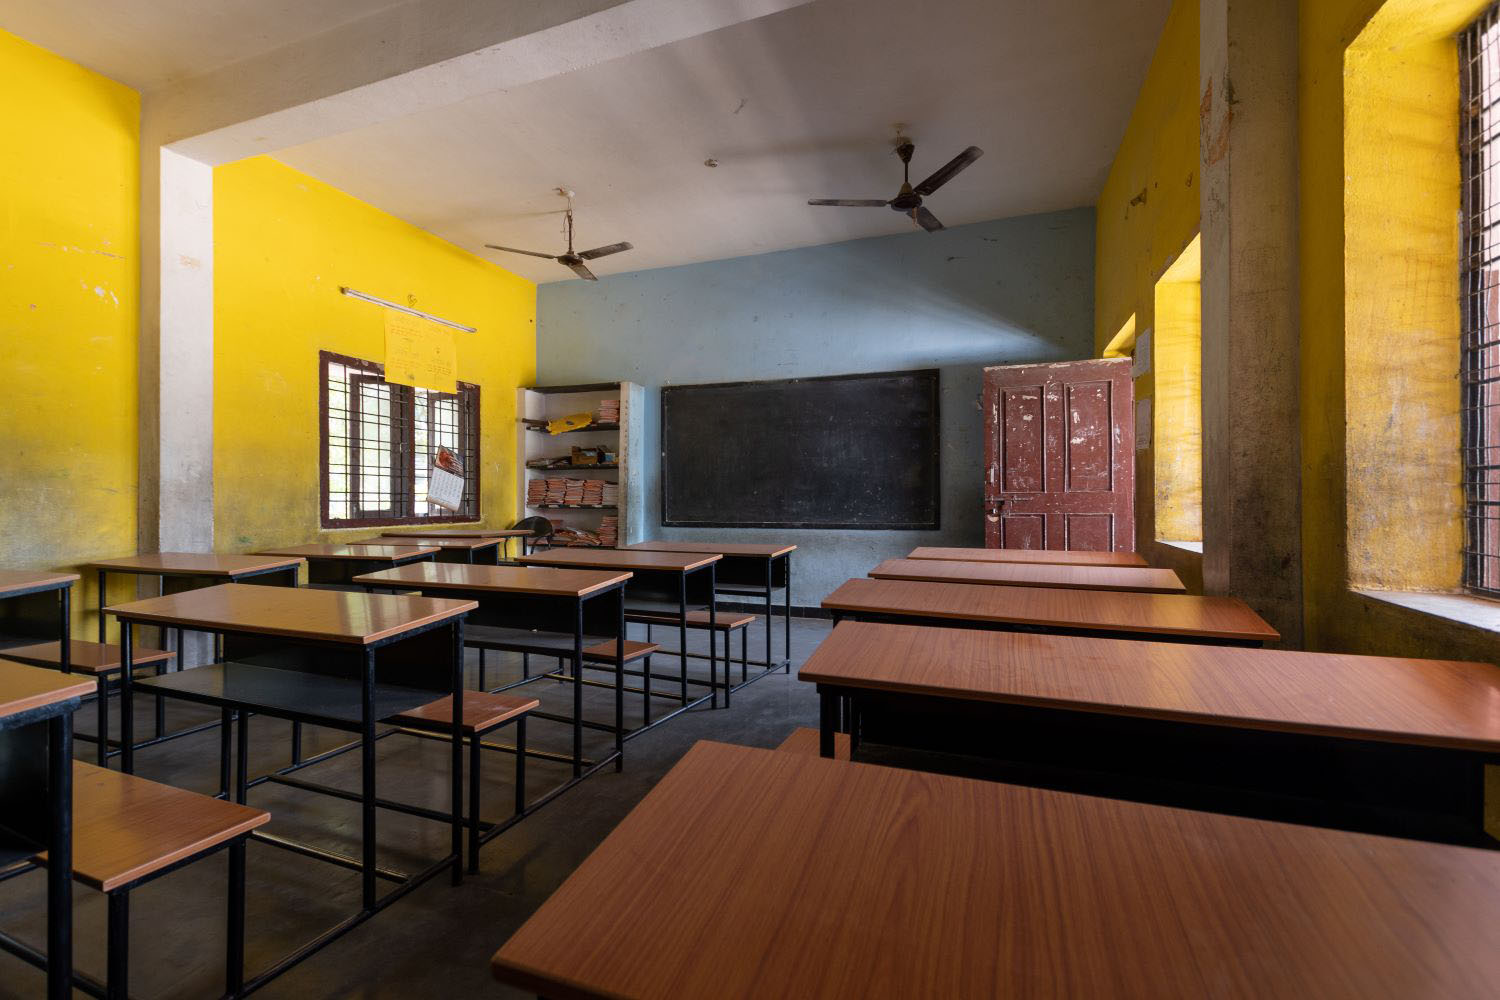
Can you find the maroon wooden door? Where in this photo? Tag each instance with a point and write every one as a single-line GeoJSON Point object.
{"type": "Point", "coordinates": [1059, 456]}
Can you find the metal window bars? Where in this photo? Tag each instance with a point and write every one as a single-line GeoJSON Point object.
{"type": "Point", "coordinates": [378, 442]}
{"type": "Point", "coordinates": [1479, 128]}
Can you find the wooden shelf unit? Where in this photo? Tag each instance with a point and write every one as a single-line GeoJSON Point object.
{"type": "Point", "coordinates": [625, 438]}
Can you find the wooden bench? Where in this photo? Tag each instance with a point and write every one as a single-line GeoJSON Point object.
{"type": "Point", "coordinates": [482, 712]}
{"type": "Point", "coordinates": [128, 831]}
{"type": "Point", "coordinates": [726, 622]}
{"type": "Point", "coordinates": [99, 659]}
{"type": "Point", "coordinates": [804, 741]}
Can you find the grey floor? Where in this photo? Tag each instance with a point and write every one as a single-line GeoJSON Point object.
{"type": "Point", "coordinates": [437, 941]}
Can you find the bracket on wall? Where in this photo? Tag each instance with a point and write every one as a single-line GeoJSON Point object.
{"type": "Point", "coordinates": [354, 294]}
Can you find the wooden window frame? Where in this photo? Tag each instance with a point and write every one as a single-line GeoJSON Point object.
{"type": "Point", "coordinates": [403, 470]}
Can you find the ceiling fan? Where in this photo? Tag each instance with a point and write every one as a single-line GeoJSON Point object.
{"type": "Point", "coordinates": [573, 260]}
{"type": "Point", "coordinates": [908, 200]}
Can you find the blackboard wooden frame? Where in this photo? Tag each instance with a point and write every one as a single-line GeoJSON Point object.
{"type": "Point", "coordinates": [932, 482]}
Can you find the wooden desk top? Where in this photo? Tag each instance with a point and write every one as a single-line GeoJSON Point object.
{"type": "Point", "coordinates": [500, 579]}
{"type": "Point", "coordinates": [1046, 556]}
{"type": "Point", "coordinates": [24, 688]}
{"type": "Point", "coordinates": [1149, 614]}
{"type": "Point", "coordinates": [125, 828]}
{"type": "Point", "coordinates": [375, 552]}
{"type": "Point", "coordinates": [723, 548]}
{"type": "Point", "coordinates": [296, 612]}
{"type": "Point", "coordinates": [877, 882]}
{"type": "Point", "coordinates": [14, 582]}
{"type": "Point", "coordinates": [460, 533]}
{"type": "Point", "coordinates": [196, 564]}
{"type": "Point", "coordinates": [1133, 578]}
{"type": "Point", "coordinates": [1422, 702]}
{"type": "Point", "coordinates": [632, 559]}
{"type": "Point", "coordinates": [442, 542]}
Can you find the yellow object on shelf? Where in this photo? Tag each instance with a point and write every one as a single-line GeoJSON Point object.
{"type": "Point", "coordinates": [571, 422]}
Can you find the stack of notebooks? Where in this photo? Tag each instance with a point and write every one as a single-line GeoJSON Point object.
{"type": "Point", "coordinates": [609, 411]}
{"type": "Point", "coordinates": [571, 492]}
{"type": "Point", "coordinates": [609, 531]}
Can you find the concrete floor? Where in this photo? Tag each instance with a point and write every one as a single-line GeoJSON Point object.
{"type": "Point", "coordinates": [437, 941]}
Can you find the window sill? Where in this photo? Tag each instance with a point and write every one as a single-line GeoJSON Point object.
{"type": "Point", "coordinates": [1185, 546]}
{"type": "Point", "coordinates": [1465, 609]}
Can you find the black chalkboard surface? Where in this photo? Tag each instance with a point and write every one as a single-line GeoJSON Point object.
{"type": "Point", "coordinates": [846, 451]}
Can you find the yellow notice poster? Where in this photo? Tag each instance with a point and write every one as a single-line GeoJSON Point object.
{"type": "Point", "coordinates": [419, 352]}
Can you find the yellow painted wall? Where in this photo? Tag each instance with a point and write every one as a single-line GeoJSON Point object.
{"type": "Point", "coordinates": [1147, 215]}
{"type": "Point", "coordinates": [283, 244]}
{"type": "Point", "coordinates": [69, 239]}
{"type": "Point", "coordinates": [1378, 97]}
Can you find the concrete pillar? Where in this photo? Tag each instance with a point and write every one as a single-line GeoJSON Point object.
{"type": "Point", "coordinates": [1252, 531]}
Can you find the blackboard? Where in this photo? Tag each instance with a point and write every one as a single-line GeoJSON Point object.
{"type": "Point", "coordinates": [846, 451]}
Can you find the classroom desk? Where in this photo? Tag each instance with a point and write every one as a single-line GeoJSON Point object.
{"type": "Point", "coordinates": [1165, 617]}
{"type": "Point", "coordinates": [36, 793]}
{"type": "Point", "coordinates": [872, 882]}
{"type": "Point", "coordinates": [338, 565]}
{"type": "Point", "coordinates": [672, 579]}
{"type": "Point", "coordinates": [571, 601]}
{"type": "Point", "coordinates": [752, 570]}
{"type": "Point", "coordinates": [177, 572]}
{"type": "Point", "coordinates": [484, 551]}
{"type": "Point", "coordinates": [1378, 744]}
{"type": "Point", "coordinates": [1043, 556]}
{"type": "Point", "coordinates": [503, 534]}
{"type": "Point", "coordinates": [1139, 580]}
{"type": "Point", "coordinates": [36, 604]}
{"type": "Point", "coordinates": [331, 658]}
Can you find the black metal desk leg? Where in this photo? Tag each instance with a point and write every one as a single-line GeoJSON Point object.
{"type": "Point", "coordinates": [456, 761]}
{"type": "Point", "coordinates": [226, 730]}
{"type": "Point", "coordinates": [474, 752]}
{"type": "Point", "coordinates": [828, 712]}
{"type": "Point", "coordinates": [520, 764]}
{"type": "Point", "coordinates": [234, 945]}
{"type": "Point", "coordinates": [620, 685]}
{"type": "Point", "coordinates": [788, 616]}
{"type": "Point", "coordinates": [127, 700]}
{"type": "Point", "coordinates": [117, 962]}
{"type": "Point", "coordinates": [60, 855]}
{"type": "Point", "coordinates": [65, 628]}
{"type": "Point", "coordinates": [578, 688]}
{"type": "Point", "coordinates": [682, 632]}
{"type": "Point", "coordinates": [367, 782]}
{"type": "Point", "coordinates": [101, 712]}
{"type": "Point", "coordinates": [770, 563]}
{"type": "Point", "coordinates": [101, 607]}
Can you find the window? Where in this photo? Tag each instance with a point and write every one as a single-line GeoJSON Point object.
{"type": "Point", "coordinates": [378, 442]}
{"type": "Point", "coordinates": [1178, 392]}
{"type": "Point", "coordinates": [1479, 64]}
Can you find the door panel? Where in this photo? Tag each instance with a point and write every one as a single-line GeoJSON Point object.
{"type": "Point", "coordinates": [1022, 467]}
{"type": "Point", "coordinates": [1060, 456]}
{"type": "Point", "coordinates": [1023, 531]}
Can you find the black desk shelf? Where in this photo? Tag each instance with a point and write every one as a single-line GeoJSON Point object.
{"type": "Point", "coordinates": [286, 693]}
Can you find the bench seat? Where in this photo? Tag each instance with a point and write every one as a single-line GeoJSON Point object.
{"type": "Point", "coordinates": [85, 657]}
{"type": "Point", "coordinates": [724, 621]}
{"type": "Point", "coordinates": [482, 711]}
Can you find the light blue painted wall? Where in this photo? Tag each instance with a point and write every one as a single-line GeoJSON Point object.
{"type": "Point", "coordinates": [1009, 292]}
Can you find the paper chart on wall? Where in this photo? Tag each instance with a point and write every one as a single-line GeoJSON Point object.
{"type": "Point", "coordinates": [419, 353]}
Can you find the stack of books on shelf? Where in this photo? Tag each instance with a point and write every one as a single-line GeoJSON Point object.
{"type": "Point", "coordinates": [571, 492]}
{"type": "Point", "coordinates": [593, 492]}
{"type": "Point", "coordinates": [609, 411]}
{"type": "Point", "coordinates": [609, 493]}
{"type": "Point", "coordinates": [536, 492]}
{"type": "Point", "coordinates": [609, 531]}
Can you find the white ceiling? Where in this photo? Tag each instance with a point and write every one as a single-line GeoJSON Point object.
{"type": "Point", "coordinates": [794, 105]}
{"type": "Point", "coordinates": [148, 44]}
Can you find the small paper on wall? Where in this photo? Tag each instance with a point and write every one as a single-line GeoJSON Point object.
{"type": "Point", "coordinates": [419, 353]}
{"type": "Point", "coordinates": [1141, 360]}
{"type": "Point", "coordinates": [1142, 424]}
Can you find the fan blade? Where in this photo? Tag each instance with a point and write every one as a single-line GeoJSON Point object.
{"type": "Point", "coordinates": [926, 219]}
{"type": "Point", "coordinates": [598, 252]}
{"type": "Point", "coordinates": [945, 173]}
{"type": "Point", "coordinates": [529, 253]}
{"type": "Point", "coordinates": [583, 272]}
{"type": "Point", "coordinates": [849, 202]}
